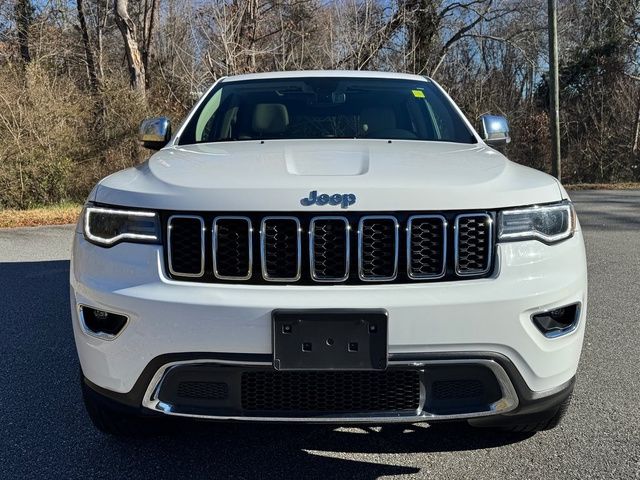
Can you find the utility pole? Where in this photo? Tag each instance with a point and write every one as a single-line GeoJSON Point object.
{"type": "Point", "coordinates": [554, 89]}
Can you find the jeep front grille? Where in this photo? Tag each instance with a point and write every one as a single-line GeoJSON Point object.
{"type": "Point", "coordinates": [329, 249]}
{"type": "Point", "coordinates": [378, 248]}
{"type": "Point", "coordinates": [473, 244]}
{"type": "Point", "coordinates": [427, 246]}
{"type": "Point", "coordinates": [280, 244]}
{"type": "Point", "coordinates": [232, 248]}
{"type": "Point", "coordinates": [185, 245]}
{"type": "Point", "coordinates": [341, 249]}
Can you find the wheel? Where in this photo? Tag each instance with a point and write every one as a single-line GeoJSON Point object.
{"type": "Point", "coordinates": [536, 422]}
{"type": "Point", "coordinates": [115, 421]}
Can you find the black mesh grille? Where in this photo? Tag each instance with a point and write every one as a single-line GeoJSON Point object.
{"type": "Point", "coordinates": [331, 391]}
{"type": "Point", "coordinates": [186, 248]}
{"type": "Point", "coordinates": [281, 248]}
{"type": "Point", "coordinates": [457, 389]}
{"type": "Point", "coordinates": [330, 252]}
{"type": "Point", "coordinates": [233, 247]}
{"type": "Point", "coordinates": [378, 248]}
{"type": "Point", "coordinates": [427, 247]}
{"type": "Point", "coordinates": [203, 390]}
{"type": "Point", "coordinates": [474, 243]}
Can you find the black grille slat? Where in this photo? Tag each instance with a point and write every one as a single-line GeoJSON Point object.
{"type": "Point", "coordinates": [280, 249]}
{"type": "Point", "coordinates": [186, 246]}
{"type": "Point", "coordinates": [473, 244]}
{"type": "Point", "coordinates": [232, 248]}
{"type": "Point", "coordinates": [378, 248]}
{"type": "Point", "coordinates": [329, 249]}
{"type": "Point", "coordinates": [326, 391]}
{"type": "Point", "coordinates": [427, 246]}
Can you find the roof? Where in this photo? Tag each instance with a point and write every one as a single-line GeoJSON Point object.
{"type": "Point", "coordinates": [324, 73]}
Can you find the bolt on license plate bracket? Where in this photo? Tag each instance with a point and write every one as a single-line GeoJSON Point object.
{"type": "Point", "coordinates": [330, 339]}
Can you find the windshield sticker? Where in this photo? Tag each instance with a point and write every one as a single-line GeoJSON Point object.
{"type": "Point", "coordinates": [418, 93]}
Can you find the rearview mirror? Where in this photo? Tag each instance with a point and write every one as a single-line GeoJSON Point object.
{"type": "Point", "coordinates": [155, 133]}
{"type": "Point", "coordinates": [495, 130]}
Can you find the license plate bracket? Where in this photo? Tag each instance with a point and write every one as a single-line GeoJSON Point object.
{"type": "Point", "coordinates": [329, 339]}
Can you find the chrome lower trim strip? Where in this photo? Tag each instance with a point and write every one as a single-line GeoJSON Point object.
{"type": "Point", "coordinates": [215, 248]}
{"type": "Point", "coordinates": [312, 257]}
{"type": "Point", "coordinates": [508, 402]}
{"type": "Point", "coordinates": [202, 247]}
{"type": "Point", "coordinates": [456, 247]}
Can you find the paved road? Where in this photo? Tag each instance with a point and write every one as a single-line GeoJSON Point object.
{"type": "Point", "coordinates": [45, 433]}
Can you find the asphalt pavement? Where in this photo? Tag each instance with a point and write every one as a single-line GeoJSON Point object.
{"type": "Point", "coordinates": [45, 432]}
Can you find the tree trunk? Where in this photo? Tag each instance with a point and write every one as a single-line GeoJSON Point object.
{"type": "Point", "coordinates": [88, 51]}
{"type": "Point", "coordinates": [424, 30]}
{"type": "Point", "coordinates": [150, 14]}
{"type": "Point", "coordinates": [374, 43]}
{"type": "Point", "coordinates": [137, 75]}
{"type": "Point", "coordinates": [24, 17]}
{"type": "Point", "coordinates": [636, 130]}
{"type": "Point", "coordinates": [102, 16]}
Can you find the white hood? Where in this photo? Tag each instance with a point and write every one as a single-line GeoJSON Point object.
{"type": "Point", "coordinates": [277, 174]}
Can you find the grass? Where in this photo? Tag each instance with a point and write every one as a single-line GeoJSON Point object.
{"type": "Point", "coordinates": [60, 214]}
{"type": "Point", "coordinates": [604, 186]}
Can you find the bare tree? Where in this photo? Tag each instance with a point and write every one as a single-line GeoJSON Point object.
{"type": "Point", "coordinates": [24, 19]}
{"type": "Point", "coordinates": [88, 49]}
{"type": "Point", "coordinates": [491, 55]}
{"type": "Point", "coordinates": [132, 46]}
{"type": "Point", "coordinates": [635, 145]}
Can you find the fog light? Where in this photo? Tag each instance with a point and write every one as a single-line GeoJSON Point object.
{"type": "Point", "coordinates": [102, 324]}
{"type": "Point", "coordinates": [559, 321]}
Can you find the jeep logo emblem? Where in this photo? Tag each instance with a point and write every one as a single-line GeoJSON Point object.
{"type": "Point", "coordinates": [345, 200]}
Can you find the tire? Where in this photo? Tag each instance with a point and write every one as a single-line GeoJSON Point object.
{"type": "Point", "coordinates": [114, 421]}
{"type": "Point", "coordinates": [538, 422]}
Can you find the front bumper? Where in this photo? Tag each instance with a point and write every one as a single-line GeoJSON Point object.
{"type": "Point", "coordinates": [463, 319]}
{"type": "Point", "coordinates": [504, 397]}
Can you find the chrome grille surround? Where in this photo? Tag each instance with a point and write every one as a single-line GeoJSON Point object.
{"type": "Point", "coordinates": [410, 250]}
{"type": "Point", "coordinates": [361, 246]}
{"type": "Point", "coordinates": [215, 245]}
{"type": "Point", "coordinates": [463, 271]}
{"type": "Point", "coordinates": [263, 249]}
{"type": "Point", "coordinates": [202, 246]}
{"type": "Point", "coordinates": [312, 249]}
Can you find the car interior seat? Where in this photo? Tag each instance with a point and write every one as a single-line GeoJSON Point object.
{"type": "Point", "coordinates": [270, 119]}
{"type": "Point", "coordinates": [377, 119]}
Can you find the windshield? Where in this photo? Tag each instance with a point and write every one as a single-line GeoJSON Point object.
{"type": "Point", "coordinates": [313, 108]}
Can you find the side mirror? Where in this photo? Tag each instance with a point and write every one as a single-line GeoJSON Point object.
{"type": "Point", "coordinates": [495, 130]}
{"type": "Point", "coordinates": [155, 133]}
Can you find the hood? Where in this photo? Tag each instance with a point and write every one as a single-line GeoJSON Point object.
{"type": "Point", "coordinates": [276, 174]}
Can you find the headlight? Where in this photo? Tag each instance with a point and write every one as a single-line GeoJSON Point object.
{"type": "Point", "coordinates": [548, 223]}
{"type": "Point", "coordinates": [108, 226]}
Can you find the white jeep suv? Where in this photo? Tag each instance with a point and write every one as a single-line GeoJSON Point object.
{"type": "Point", "coordinates": [328, 247]}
